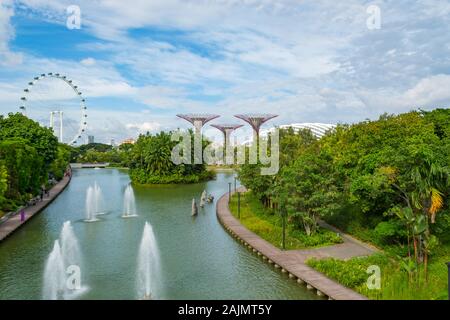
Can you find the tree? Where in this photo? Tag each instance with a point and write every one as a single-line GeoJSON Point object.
{"type": "Point", "coordinates": [16, 125]}
{"type": "Point", "coordinates": [292, 144]}
{"type": "Point", "coordinates": [308, 188]}
{"type": "Point", "coordinates": [3, 182]}
{"type": "Point", "coordinates": [60, 164]}
{"type": "Point", "coordinates": [150, 161]}
{"type": "Point", "coordinates": [423, 193]}
{"type": "Point", "coordinates": [28, 152]}
{"type": "Point", "coordinates": [25, 168]}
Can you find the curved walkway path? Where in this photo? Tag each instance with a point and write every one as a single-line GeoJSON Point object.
{"type": "Point", "coordinates": [12, 223]}
{"type": "Point", "coordinates": [293, 261]}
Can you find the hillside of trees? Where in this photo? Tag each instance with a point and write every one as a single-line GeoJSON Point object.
{"type": "Point", "coordinates": [101, 153]}
{"type": "Point", "coordinates": [384, 181]}
{"type": "Point", "coordinates": [30, 155]}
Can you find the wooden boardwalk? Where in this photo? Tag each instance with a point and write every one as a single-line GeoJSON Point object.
{"type": "Point", "coordinates": [12, 223]}
{"type": "Point", "coordinates": [292, 262]}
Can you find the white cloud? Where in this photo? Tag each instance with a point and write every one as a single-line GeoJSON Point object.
{"type": "Point", "coordinates": [88, 62]}
{"type": "Point", "coordinates": [144, 126]}
{"type": "Point", "coordinates": [427, 93]}
{"type": "Point", "coordinates": [430, 90]}
{"type": "Point", "coordinates": [7, 57]}
{"type": "Point", "coordinates": [309, 60]}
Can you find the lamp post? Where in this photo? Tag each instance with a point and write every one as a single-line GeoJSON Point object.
{"type": "Point", "coordinates": [283, 219]}
{"type": "Point", "coordinates": [239, 205]}
{"type": "Point", "coordinates": [229, 192]}
{"type": "Point", "coordinates": [235, 184]}
{"type": "Point", "coordinates": [448, 266]}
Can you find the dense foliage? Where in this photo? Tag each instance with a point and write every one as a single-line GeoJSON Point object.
{"type": "Point", "coordinates": [351, 273]}
{"type": "Point", "coordinates": [29, 156]}
{"type": "Point", "coordinates": [150, 162]}
{"type": "Point", "coordinates": [16, 125]}
{"type": "Point", "coordinates": [386, 181]}
{"type": "Point", "coordinates": [269, 226]}
{"type": "Point", "coordinates": [101, 153]}
{"type": "Point", "coordinates": [401, 278]}
{"type": "Point", "coordinates": [3, 182]}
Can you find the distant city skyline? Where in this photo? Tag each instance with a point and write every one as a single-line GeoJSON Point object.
{"type": "Point", "coordinates": [308, 61]}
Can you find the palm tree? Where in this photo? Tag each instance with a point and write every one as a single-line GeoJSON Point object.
{"type": "Point", "coordinates": [424, 199]}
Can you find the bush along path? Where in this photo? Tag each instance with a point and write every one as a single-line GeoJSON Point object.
{"type": "Point", "coordinates": [292, 262]}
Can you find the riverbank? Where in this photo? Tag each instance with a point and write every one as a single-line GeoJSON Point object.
{"type": "Point", "coordinates": [191, 266]}
{"type": "Point", "coordinates": [292, 262]}
{"type": "Point", "coordinates": [269, 226]}
{"type": "Point", "coordinates": [14, 222]}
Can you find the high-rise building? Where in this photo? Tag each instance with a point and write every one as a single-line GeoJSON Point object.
{"type": "Point", "coordinates": [90, 139]}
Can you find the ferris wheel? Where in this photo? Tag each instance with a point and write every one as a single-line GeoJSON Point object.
{"type": "Point", "coordinates": [55, 101]}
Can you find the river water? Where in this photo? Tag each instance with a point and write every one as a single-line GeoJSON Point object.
{"type": "Point", "coordinates": [198, 259]}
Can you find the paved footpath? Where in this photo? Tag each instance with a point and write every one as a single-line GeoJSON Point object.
{"type": "Point", "coordinates": [12, 223]}
{"type": "Point", "coordinates": [293, 261]}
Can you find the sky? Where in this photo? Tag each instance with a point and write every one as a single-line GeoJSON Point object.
{"type": "Point", "coordinates": [139, 63]}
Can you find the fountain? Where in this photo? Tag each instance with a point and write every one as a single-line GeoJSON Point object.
{"type": "Point", "coordinates": [94, 203]}
{"type": "Point", "coordinates": [99, 203]}
{"type": "Point", "coordinates": [54, 275]}
{"type": "Point", "coordinates": [62, 264]}
{"type": "Point", "coordinates": [70, 250]}
{"type": "Point", "coordinates": [148, 264]}
{"type": "Point", "coordinates": [129, 204]}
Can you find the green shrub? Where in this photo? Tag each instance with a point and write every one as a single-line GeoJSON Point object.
{"type": "Point", "coordinates": [390, 231]}
{"type": "Point", "coordinates": [351, 273]}
{"type": "Point", "coordinates": [268, 225]}
{"type": "Point", "coordinates": [321, 238]}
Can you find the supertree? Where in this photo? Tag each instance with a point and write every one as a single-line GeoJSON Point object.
{"type": "Point", "coordinates": [227, 129]}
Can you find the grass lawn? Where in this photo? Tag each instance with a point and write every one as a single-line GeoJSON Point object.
{"type": "Point", "coordinates": [268, 225]}
{"type": "Point", "coordinates": [395, 284]}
